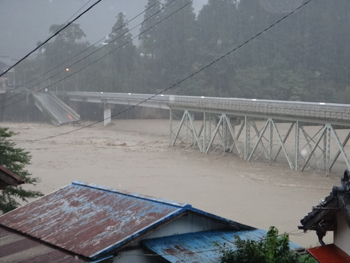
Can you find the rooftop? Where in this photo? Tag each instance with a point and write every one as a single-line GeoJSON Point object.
{"type": "Point", "coordinates": [329, 253]}
{"type": "Point", "coordinates": [92, 221]}
{"type": "Point", "coordinates": [7, 177]}
{"type": "Point", "coordinates": [201, 246]}
{"type": "Point", "coordinates": [18, 248]}
{"type": "Point", "coordinates": [323, 217]}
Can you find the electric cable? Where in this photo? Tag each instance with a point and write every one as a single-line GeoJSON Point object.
{"type": "Point", "coordinates": [61, 27]}
{"type": "Point", "coordinates": [105, 54]}
{"type": "Point", "coordinates": [76, 12]}
{"type": "Point", "coordinates": [182, 80]}
{"type": "Point", "coordinates": [49, 38]}
{"type": "Point", "coordinates": [98, 41]}
{"type": "Point", "coordinates": [89, 55]}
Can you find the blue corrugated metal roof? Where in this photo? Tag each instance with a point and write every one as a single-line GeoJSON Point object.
{"type": "Point", "coordinates": [90, 220]}
{"type": "Point", "coordinates": [202, 246]}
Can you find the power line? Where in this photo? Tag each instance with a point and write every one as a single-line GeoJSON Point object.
{"type": "Point", "coordinates": [105, 54]}
{"type": "Point", "coordinates": [84, 51]}
{"type": "Point", "coordinates": [77, 12]}
{"type": "Point", "coordinates": [94, 53]}
{"type": "Point", "coordinates": [184, 79]}
{"type": "Point", "coordinates": [60, 28]}
{"type": "Point", "coordinates": [47, 40]}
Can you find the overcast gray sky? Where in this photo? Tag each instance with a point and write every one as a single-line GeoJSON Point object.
{"type": "Point", "coordinates": [23, 23]}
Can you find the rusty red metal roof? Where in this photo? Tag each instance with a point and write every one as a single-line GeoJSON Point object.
{"type": "Point", "coordinates": [90, 220]}
{"type": "Point", "coordinates": [329, 253]}
{"type": "Point", "coordinates": [21, 249]}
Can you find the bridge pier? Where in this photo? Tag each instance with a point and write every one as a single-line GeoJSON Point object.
{"type": "Point", "coordinates": [107, 113]}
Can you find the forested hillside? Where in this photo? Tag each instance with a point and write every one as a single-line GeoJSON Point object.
{"type": "Point", "coordinates": [304, 57]}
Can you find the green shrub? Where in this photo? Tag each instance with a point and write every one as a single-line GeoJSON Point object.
{"type": "Point", "coordinates": [272, 249]}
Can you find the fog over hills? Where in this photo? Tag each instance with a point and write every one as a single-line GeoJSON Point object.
{"type": "Point", "coordinates": [24, 23]}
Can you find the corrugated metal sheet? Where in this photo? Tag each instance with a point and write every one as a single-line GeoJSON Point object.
{"type": "Point", "coordinates": [90, 220]}
{"type": "Point", "coordinates": [329, 253]}
{"type": "Point", "coordinates": [200, 247]}
{"type": "Point", "coordinates": [16, 248]}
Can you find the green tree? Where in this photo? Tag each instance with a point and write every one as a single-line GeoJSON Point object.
{"type": "Point", "coordinates": [249, 82]}
{"type": "Point", "coordinates": [66, 51]}
{"type": "Point", "coordinates": [15, 159]}
{"type": "Point", "coordinates": [272, 249]}
{"type": "Point", "coordinates": [148, 66]}
{"type": "Point", "coordinates": [120, 67]}
{"type": "Point", "coordinates": [217, 33]}
{"type": "Point", "coordinates": [151, 18]}
{"type": "Point", "coordinates": [176, 44]}
{"type": "Point", "coordinates": [66, 44]}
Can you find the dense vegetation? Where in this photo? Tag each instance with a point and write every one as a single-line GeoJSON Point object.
{"type": "Point", "coordinates": [305, 57]}
{"type": "Point", "coordinates": [272, 249]}
{"type": "Point", "coordinates": [15, 159]}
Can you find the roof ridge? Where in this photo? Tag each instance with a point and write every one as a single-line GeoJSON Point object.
{"type": "Point", "coordinates": [222, 219]}
{"type": "Point", "coordinates": [134, 195]}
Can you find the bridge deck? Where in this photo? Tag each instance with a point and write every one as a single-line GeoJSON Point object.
{"type": "Point", "coordinates": [56, 110]}
{"type": "Point", "coordinates": [285, 110]}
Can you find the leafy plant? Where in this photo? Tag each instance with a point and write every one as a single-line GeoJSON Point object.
{"type": "Point", "coordinates": [15, 159]}
{"type": "Point", "coordinates": [272, 249]}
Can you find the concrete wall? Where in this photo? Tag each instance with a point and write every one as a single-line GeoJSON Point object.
{"type": "Point", "coordinates": [342, 234]}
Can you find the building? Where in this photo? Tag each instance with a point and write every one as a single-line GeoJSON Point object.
{"type": "Point", "coordinates": [332, 214]}
{"type": "Point", "coordinates": [89, 223]}
{"type": "Point", "coordinates": [8, 80]}
{"type": "Point", "coordinates": [8, 178]}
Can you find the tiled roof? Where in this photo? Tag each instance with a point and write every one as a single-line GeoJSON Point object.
{"type": "Point", "coordinates": [329, 200]}
{"type": "Point", "coordinates": [325, 211]}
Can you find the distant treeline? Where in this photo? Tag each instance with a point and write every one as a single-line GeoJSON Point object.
{"type": "Point", "coordinates": [305, 57]}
